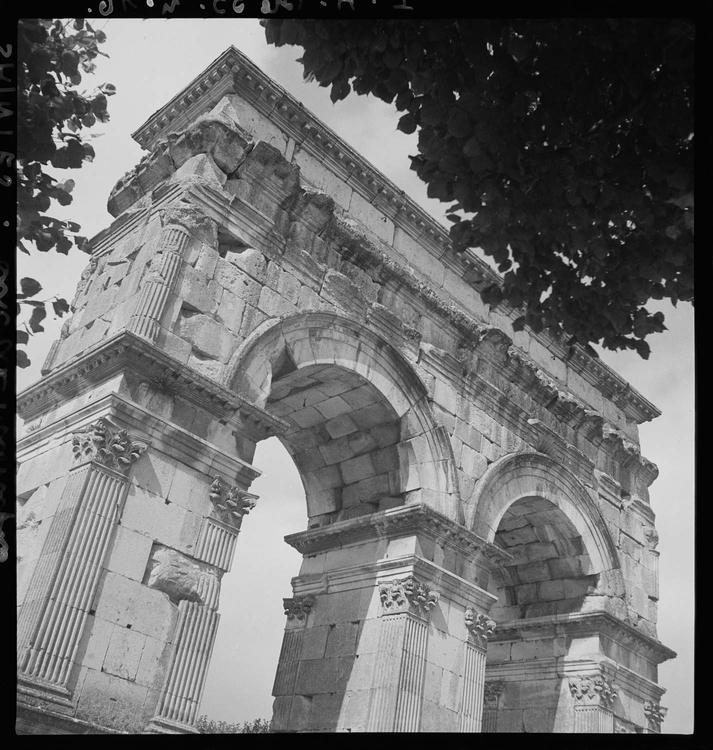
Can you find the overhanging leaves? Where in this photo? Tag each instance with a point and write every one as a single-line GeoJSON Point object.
{"type": "Point", "coordinates": [567, 144]}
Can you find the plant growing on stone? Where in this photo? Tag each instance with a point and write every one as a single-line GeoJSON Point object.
{"type": "Point", "coordinates": [209, 726]}
{"type": "Point", "coordinates": [52, 114]}
{"type": "Point", "coordinates": [565, 149]}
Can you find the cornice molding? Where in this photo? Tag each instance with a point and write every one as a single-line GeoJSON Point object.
{"type": "Point", "coordinates": [233, 72]}
{"type": "Point", "coordinates": [161, 434]}
{"type": "Point", "coordinates": [588, 623]}
{"type": "Point", "coordinates": [481, 343]}
{"type": "Point", "coordinates": [402, 521]}
{"type": "Point", "coordinates": [127, 351]}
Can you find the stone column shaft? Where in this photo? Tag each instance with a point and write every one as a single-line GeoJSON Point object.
{"type": "Point", "coordinates": [473, 689]}
{"type": "Point", "coordinates": [55, 638]}
{"type": "Point", "coordinates": [287, 665]}
{"type": "Point", "coordinates": [491, 699]}
{"type": "Point", "coordinates": [159, 283]}
{"type": "Point", "coordinates": [593, 720]}
{"type": "Point", "coordinates": [197, 624]}
{"type": "Point", "coordinates": [409, 695]}
{"type": "Point", "coordinates": [66, 577]}
{"type": "Point", "coordinates": [195, 635]}
{"type": "Point", "coordinates": [401, 656]}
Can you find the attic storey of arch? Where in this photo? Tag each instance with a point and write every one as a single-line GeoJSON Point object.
{"type": "Point", "coordinates": [565, 148]}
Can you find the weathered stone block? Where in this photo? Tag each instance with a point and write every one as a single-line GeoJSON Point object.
{"type": "Point", "coordinates": [124, 653]}
{"type": "Point", "coordinates": [129, 553]}
{"type": "Point", "coordinates": [111, 701]}
{"type": "Point", "coordinates": [126, 602]}
{"type": "Point", "coordinates": [342, 639]}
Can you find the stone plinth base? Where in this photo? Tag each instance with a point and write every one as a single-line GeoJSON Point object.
{"type": "Point", "coordinates": [31, 720]}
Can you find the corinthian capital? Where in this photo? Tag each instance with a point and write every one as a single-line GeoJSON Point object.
{"type": "Point", "coordinates": [298, 607]}
{"type": "Point", "coordinates": [407, 594]}
{"type": "Point", "coordinates": [492, 691]}
{"type": "Point", "coordinates": [232, 503]}
{"type": "Point", "coordinates": [655, 713]}
{"type": "Point", "coordinates": [106, 444]}
{"type": "Point", "coordinates": [593, 690]}
{"type": "Point", "coordinates": [479, 626]}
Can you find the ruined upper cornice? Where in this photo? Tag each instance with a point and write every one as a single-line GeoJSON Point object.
{"type": "Point", "coordinates": [127, 351]}
{"type": "Point", "coordinates": [233, 72]}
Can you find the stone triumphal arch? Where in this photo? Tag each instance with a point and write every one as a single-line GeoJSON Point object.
{"type": "Point", "coordinates": [480, 552]}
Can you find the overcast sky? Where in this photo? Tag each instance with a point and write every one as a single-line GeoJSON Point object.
{"type": "Point", "coordinates": [151, 61]}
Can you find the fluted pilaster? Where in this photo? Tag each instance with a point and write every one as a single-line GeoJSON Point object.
{"type": "Point", "coordinates": [159, 283]}
{"type": "Point", "coordinates": [66, 577]}
{"type": "Point", "coordinates": [401, 656]}
{"type": "Point", "coordinates": [479, 628]}
{"type": "Point", "coordinates": [492, 690]}
{"type": "Point", "coordinates": [473, 686]}
{"type": "Point", "coordinates": [195, 635]}
{"type": "Point", "coordinates": [216, 544]}
{"type": "Point", "coordinates": [593, 696]}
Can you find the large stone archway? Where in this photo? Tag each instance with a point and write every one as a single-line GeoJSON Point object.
{"type": "Point", "coordinates": [262, 279]}
{"type": "Point", "coordinates": [315, 367]}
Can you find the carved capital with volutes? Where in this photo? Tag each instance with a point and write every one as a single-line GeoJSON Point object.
{"type": "Point", "coordinates": [231, 503]}
{"type": "Point", "coordinates": [108, 445]}
{"type": "Point", "coordinates": [298, 607]}
{"type": "Point", "coordinates": [492, 691]}
{"type": "Point", "coordinates": [593, 690]}
{"type": "Point", "coordinates": [190, 219]}
{"type": "Point", "coordinates": [407, 595]}
{"type": "Point", "coordinates": [479, 626]}
{"type": "Point", "coordinates": [655, 714]}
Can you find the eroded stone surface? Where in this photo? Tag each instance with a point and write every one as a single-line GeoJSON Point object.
{"type": "Point", "coordinates": [180, 576]}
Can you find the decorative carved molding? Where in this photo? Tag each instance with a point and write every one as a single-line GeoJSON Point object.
{"type": "Point", "coordinates": [232, 503]}
{"type": "Point", "coordinates": [127, 351]}
{"type": "Point", "coordinates": [83, 281]}
{"type": "Point", "coordinates": [479, 626]}
{"type": "Point", "coordinates": [492, 692]}
{"type": "Point", "coordinates": [298, 607]}
{"type": "Point", "coordinates": [655, 714]}
{"type": "Point", "coordinates": [108, 445]}
{"type": "Point", "coordinates": [581, 624]}
{"type": "Point", "coordinates": [409, 519]}
{"type": "Point", "coordinates": [651, 536]}
{"type": "Point", "coordinates": [407, 594]}
{"type": "Point", "coordinates": [593, 689]}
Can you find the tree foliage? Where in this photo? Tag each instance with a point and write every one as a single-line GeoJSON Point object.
{"type": "Point", "coordinates": [565, 148]}
{"type": "Point", "coordinates": [52, 114]}
{"type": "Point", "coordinates": [209, 726]}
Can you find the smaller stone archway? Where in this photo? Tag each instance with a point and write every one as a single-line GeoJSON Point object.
{"type": "Point", "coordinates": [522, 475]}
{"type": "Point", "coordinates": [563, 568]}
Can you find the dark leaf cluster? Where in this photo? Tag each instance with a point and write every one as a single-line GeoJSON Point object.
{"type": "Point", "coordinates": [565, 148]}
{"type": "Point", "coordinates": [52, 54]}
